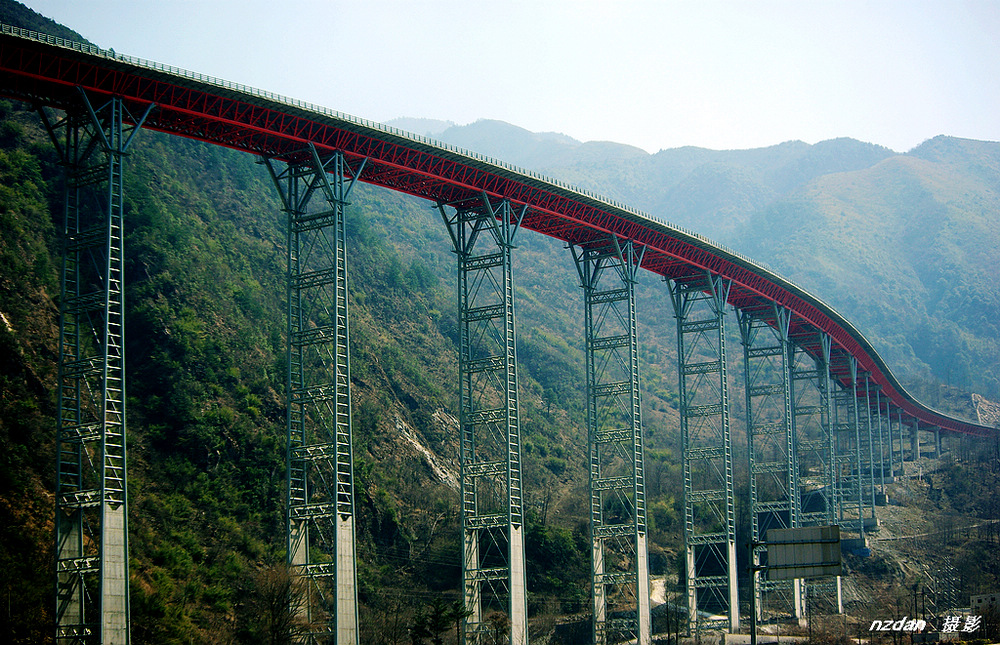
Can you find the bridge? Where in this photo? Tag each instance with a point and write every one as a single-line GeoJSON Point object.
{"type": "Point", "coordinates": [819, 398]}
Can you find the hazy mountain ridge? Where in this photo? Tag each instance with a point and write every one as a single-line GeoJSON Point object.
{"type": "Point", "coordinates": [907, 249]}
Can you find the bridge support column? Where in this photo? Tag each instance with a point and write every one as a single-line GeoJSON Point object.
{"type": "Point", "coordinates": [902, 445]}
{"type": "Point", "coordinates": [868, 454]}
{"type": "Point", "coordinates": [699, 303]}
{"type": "Point", "coordinates": [319, 458]}
{"type": "Point", "coordinates": [620, 573]}
{"type": "Point", "coordinates": [812, 419]}
{"type": "Point", "coordinates": [490, 454]}
{"type": "Point", "coordinates": [847, 437]}
{"type": "Point", "coordinates": [812, 415]}
{"type": "Point", "coordinates": [915, 440]}
{"type": "Point", "coordinates": [774, 487]}
{"type": "Point", "coordinates": [91, 514]}
{"type": "Point", "coordinates": [884, 436]}
{"type": "Point", "coordinates": [937, 441]}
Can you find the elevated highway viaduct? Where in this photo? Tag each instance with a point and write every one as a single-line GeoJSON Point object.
{"type": "Point", "coordinates": [818, 395]}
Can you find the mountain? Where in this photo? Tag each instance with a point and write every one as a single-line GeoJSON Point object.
{"type": "Point", "coordinates": [15, 13]}
{"type": "Point", "coordinates": [907, 249]}
{"type": "Point", "coordinates": [426, 127]}
{"type": "Point", "coordinates": [510, 143]}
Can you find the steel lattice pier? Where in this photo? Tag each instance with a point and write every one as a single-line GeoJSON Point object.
{"type": "Point", "coordinates": [494, 582]}
{"type": "Point", "coordinates": [91, 492]}
{"type": "Point", "coordinates": [314, 190]}
{"type": "Point", "coordinates": [619, 562]}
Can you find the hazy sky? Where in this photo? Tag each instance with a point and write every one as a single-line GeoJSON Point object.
{"type": "Point", "coordinates": [652, 74]}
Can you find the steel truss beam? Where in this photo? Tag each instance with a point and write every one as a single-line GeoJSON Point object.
{"type": "Point", "coordinates": [314, 192]}
{"type": "Point", "coordinates": [490, 454]}
{"type": "Point", "coordinates": [619, 565]}
{"type": "Point", "coordinates": [699, 303]}
{"type": "Point", "coordinates": [91, 492]}
{"type": "Point", "coordinates": [774, 486]}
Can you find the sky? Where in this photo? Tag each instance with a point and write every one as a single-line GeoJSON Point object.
{"type": "Point", "coordinates": [652, 74]}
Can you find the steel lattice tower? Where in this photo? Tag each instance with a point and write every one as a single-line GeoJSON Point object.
{"type": "Point", "coordinates": [774, 488]}
{"type": "Point", "coordinates": [848, 475]}
{"type": "Point", "coordinates": [902, 448]}
{"type": "Point", "coordinates": [91, 492]}
{"type": "Point", "coordinates": [320, 502]}
{"type": "Point", "coordinates": [811, 416]}
{"type": "Point", "coordinates": [490, 455]}
{"type": "Point", "coordinates": [619, 564]}
{"type": "Point", "coordinates": [868, 451]}
{"type": "Point", "coordinates": [709, 518]}
{"type": "Point", "coordinates": [882, 438]}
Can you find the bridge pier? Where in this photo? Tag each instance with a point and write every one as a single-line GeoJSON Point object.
{"type": "Point", "coordinates": [812, 419]}
{"type": "Point", "coordinates": [902, 445]}
{"type": "Point", "coordinates": [490, 455]}
{"type": "Point", "coordinates": [774, 488]}
{"type": "Point", "coordinates": [91, 532]}
{"type": "Point", "coordinates": [915, 440]}
{"type": "Point", "coordinates": [868, 453]}
{"type": "Point", "coordinates": [614, 426]}
{"type": "Point", "coordinates": [884, 435]}
{"type": "Point", "coordinates": [700, 302]}
{"type": "Point", "coordinates": [848, 475]}
{"type": "Point", "coordinates": [319, 457]}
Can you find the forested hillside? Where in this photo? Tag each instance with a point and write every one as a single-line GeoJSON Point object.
{"type": "Point", "coordinates": [903, 245]}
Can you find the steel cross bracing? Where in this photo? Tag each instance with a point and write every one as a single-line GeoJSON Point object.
{"type": "Point", "coordinates": [314, 191]}
{"type": "Point", "coordinates": [857, 451]}
{"type": "Point", "coordinates": [619, 563]}
{"type": "Point", "coordinates": [91, 510]}
{"type": "Point", "coordinates": [890, 436]}
{"type": "Point", "coordinates": [490, 454]}
{"type": "Point", "coordinates": [773, 476]}
{"type": "Point", "coordinates": [709, 519]}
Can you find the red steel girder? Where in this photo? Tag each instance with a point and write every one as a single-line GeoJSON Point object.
{"type": "Point", "coordinates": [245, 119]}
